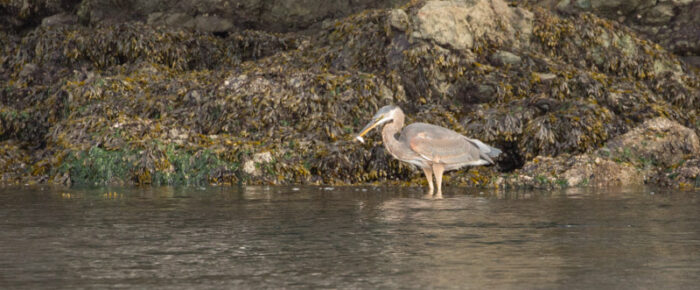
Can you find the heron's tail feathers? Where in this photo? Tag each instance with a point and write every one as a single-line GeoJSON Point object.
{"type": "Point", "coordinates": [492, 152]}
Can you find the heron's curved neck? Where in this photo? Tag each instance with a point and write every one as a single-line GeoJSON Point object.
{"type": "Point", "coordinates": [388, 136]}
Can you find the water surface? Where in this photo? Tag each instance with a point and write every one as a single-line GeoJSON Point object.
{"type": "Point", "coordinates": [348, 237]}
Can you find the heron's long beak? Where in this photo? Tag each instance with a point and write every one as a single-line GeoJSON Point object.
{"type": "Point", "coordinates": [369, 127]}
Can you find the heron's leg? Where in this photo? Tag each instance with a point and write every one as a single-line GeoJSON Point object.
{"type": "Point", "coordinates": [438, 169]}
{"type": "Point", "coordinates": [429, 175]}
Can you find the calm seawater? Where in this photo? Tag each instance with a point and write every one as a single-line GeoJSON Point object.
{"type": "Point", "coordinates": [348, 237]}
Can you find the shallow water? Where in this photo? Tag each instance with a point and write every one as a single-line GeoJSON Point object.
{"type": "Point", "coordinates": [272, 237]}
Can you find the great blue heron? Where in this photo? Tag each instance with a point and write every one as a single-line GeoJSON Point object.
{"type": "Point", "coordinates": [432, 148]}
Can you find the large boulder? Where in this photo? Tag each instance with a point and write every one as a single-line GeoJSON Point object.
{"type": "Point", "coordinates": [579, 170]}
{"type": "Point", "coordinates": [659, 151]}
{"type": "Point", "coordinates": [457, 24]}
{"type": "Point", "coordinates": [660, 141]}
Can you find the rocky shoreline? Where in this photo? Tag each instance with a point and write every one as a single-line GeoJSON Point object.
{"type": "Point", "coordinates": [90, 96]}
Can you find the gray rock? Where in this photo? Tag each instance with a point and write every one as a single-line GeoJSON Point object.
{"type": "Point", "coordinates": [563, 4]}
{"type": "Point", "coordinates": [658, 140]}
{"type": "Point", "coordinates": [469, 93]}
{"type": "Point", "coordinates": [59, 19]}
{"type": "Point", "coordinates": [210, 23]}
{"type": "Point", "coordinates": [252, 166]}
{"type": "Point", "coordinates": [458, 24]}
{"type": "Point", "coordinates": [659, 14]}
{"type": "Point", "coordinates": [578, 170]}
{"type": "Point", "coordinates": [170, 19]}
{"type": "Point", "coordinates": [445, 22]}
{"type": "Point", "coordinates": [398, 19]}
{"type": "Point", "coordinates": [660, 150]}
{"type": "Point", "coordinates": [600, 172]}
{"type": "Point", "coordinates": [679, 2]}
{"type": "Point", "coordinates": [28, 70]}
{"type": "Point", "coordinates": [505, 58]}
{"type": "Point", "coordinates": [545, 77]}
{"type": "Point", "coordinates": [584, 4]}
{"type": "Point", "coordinates": [620, 7]}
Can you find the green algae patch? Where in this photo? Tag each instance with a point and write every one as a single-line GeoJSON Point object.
{"type": "Point", "coordinates": [98, 166]}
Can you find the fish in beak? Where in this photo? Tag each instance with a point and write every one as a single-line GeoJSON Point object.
{"type": "Point", "coordinates": [376, 121]}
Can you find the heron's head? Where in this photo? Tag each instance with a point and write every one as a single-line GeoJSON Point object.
{"type": "Point", "coordinates": [385, 114]}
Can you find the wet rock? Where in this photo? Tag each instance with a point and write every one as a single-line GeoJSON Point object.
{"type": "Point", "coordinates": [505, 58]}
{"type": "Point", "coordinates": [399, 19]}
{"type": "Point", "coordinates": [210, 23]}
{"type": "Point", "coordinates": [578, 170]}
{"type": "Point", "coordinates": [170, 19]}
{"type": "Point", "coordinates": [252, 166]}
{"type": "Point", "coordinates": [28, 70]}
{"type": "Point", "coordinates": [659, 151]}
{"type": "Point", "coordinates": [544, 77]}
{"type": "Point", "coordinates": [599, 172]}
{"type": "Point", "coordinates": [469, 93]}
{"type": "Point", "coordinates": [660, 141]}
{"type": "Point", "coordinates": [60, 19]}
{"type": "Point", "coordinates": [685, 175]}
{"type": "Point", "coordinates": [659, 14]}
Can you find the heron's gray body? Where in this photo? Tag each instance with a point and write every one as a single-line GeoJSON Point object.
{"type": "Point", "coordinates": [432, 148]}
{"type": "Point", "coordinates": [434, 144]}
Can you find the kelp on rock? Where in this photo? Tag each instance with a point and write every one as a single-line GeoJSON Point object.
{"type": "Point", "coordinates": [134, 104]}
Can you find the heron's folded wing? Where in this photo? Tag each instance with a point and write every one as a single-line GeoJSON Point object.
{"type": "Point", "coordinates": [439, 144]}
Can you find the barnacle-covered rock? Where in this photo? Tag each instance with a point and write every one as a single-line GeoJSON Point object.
{"type": "Point", "coordinates": [658, 151]}
{"type": "Point", "coordinates": [659, 140]}
{"type": "Point", "coordinates": [252, 166]}
{"type": "Point", "coordinates": [577, 170]}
